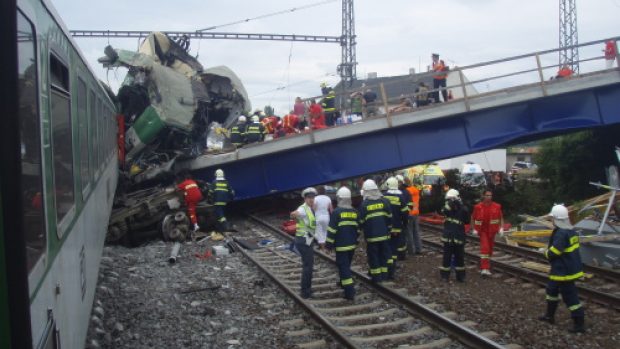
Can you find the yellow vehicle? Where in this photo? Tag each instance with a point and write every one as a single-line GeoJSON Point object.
{"type": "Point", "coordinates": [425, 176]}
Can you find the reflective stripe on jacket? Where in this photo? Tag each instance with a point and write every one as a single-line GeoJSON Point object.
{"type": "Point", "coordinates": [454, 224]}
{"type": "Point", "coordinates": [302, 229]}
{"type": "Point", "coordinates": [487, 218]}
{"type": "Point", "coordinates": [563, 255]}
{"type": "Point", "coordinates": [343, 229]}
{"type": "Point", "coordinates": [222, 193]}
{"type": "Point", "coordinates": [375, 219]}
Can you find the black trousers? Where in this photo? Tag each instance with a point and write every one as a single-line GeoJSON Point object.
{"type": "Point", "coordinates": [568, 290]}
{"type": "Point", "coordinates": [379, 256]}
{"type": "Point", "coordinates": [437, 83]}
{"type": "Point", "coordinates": [456, 251]}
{"type": "Point", "coordinates": [343, 260]}
{"type": "Point", "coordinates": [307, 262]}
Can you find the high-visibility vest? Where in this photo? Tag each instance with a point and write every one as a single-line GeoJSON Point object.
{"type": "Point", "coordinates": [301, 227]}
{"type": "Point", "coordinates": [439, 67]}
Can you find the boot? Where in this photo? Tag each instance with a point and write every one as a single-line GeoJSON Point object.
{"type": "Point", "coordinates": [578, 325]}
{"type": "Point", "coordinates": [550, 315]}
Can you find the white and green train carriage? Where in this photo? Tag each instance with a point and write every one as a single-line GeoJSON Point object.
{"type": "Point", "coordinates": [58, 175]}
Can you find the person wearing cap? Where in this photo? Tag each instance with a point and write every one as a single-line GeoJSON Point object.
{"type": "Point", "coordinates": [399, 209]}
{"type": "Point", "coordinates": [453, 236]}
{"type": "Point", "coordinates": [488, 221]}
{"type": "Point", "coordinates": [439, 79]}
{"type": "Point", "coordinates": [342, 236]}
{"type": "Point", "coordinates": [255, 131]}
{"type": "Point", "coordinates": [222, 194]}
{"type": "Point", "coordinates": [304, 236]}
{"type": "Point", "coordinates": [237, 132]}
{"type": "Point", "coordinates": [375, 219]}
{"type": "Point", "coordinates": [563, 255]}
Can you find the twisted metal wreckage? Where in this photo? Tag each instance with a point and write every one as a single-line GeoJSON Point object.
{"type": "Point", "coordinates": [169, 106]}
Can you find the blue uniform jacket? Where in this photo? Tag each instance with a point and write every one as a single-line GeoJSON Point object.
{"type": "Point", "coordinates": [375, 219]}
{"type": "Point", "coordinates": [343, 229]}
{"type": "Point", "coordinates": [454, 224]}
{"type": "Point", "coordinates": [399, 209]}
{"type": "Point", "coordinates": [222, 193]}
{"type": "Point", "coordinates": [563, 255]}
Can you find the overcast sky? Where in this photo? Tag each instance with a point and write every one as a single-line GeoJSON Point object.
{"type": "Point", "coordinates": [392, 35]}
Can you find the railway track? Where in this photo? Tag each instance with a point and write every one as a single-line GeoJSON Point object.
{"type": "Point", "coordinates": [603, 288]}
{"type": "Point", "coordinates": [380, 317]}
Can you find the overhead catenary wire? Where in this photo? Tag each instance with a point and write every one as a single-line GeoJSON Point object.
{"type": "Point", "coordinates": [293, 9]}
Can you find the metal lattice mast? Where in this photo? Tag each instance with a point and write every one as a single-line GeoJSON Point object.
{"type": "Point", "coordinates": [347, 67]}
{"type": "Point", "coordinates": [568, 35]}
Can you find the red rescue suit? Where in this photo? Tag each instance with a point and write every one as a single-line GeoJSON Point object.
{"type": "Point", "coordinates": [192, 197]}
{"type": "Point", "coordinates": [487, 220]}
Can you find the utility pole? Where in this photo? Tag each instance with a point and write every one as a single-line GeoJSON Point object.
{"type": "Point", "coordinates": [568, 35]}
{"type": "Point", "coordinates": [347, 68]}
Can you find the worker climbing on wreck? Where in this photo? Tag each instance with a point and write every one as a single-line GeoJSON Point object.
{"type": "Point", "coordinates": [192, 196]}
{"type": "Point", "coordinates": [222, 194]}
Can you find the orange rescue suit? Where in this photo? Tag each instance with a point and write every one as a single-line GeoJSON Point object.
{"type": "Point", "coordinates": [192, 197]}
{"type": "Point", "coordinates": [487, 220]}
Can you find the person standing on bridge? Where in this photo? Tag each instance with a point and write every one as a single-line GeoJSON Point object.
{"type": "Point", "coordinates": [342, 236]}
{"type": "Point", "coordinates": [488, 220]}
{"type": "Point", "coordinates": [192, 195]}
{"type": "Point", "coordinates": [610, 54]}
{"type": "Point", "coordinates": [439, 79]}
{"type": "Point", "coordinates": [453, 236]}
{"type": "Point", "coordinates": [375, 219]}
{"type": "Point", "coordinates": [328, 103]}
{"type": "Point", "coordinates": [255, 132]}
{"type": "Point", "coordinates": [304, 236]}
{"type": "Point", "coordinates": [566, 267]}
{"type": "Point", "coordinates": [222, 194]}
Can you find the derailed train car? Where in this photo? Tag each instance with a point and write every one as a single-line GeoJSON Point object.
{"type": "Point", "coordinates": [168, 100]}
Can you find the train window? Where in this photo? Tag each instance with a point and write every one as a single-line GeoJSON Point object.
{"type": "Point", "coordinates": [83, 128]}
{"type": "Point", "coordinates": [62, 143]}
{"type": "Point", "coordinates": [93, 133]}
{"type": "Point", "coordinates": [31, 177]}
{"type": "Point", "coordinates": [100, 139]}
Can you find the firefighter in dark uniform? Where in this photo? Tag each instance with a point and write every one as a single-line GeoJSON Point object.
{"type": "Point", "coordinates": [342, 236]}
{"type": "Point", "coordinates": [566, 267]}
{"type": "Point", "coordinates": [222, 194]}
{"type": "Point", "coordinates": [375, 219]}
{"type": "Point", "coordinates": [329, 107]}
{"type": "Point", "coordinates": [399, 211]}
{"type": "Point", "coordinates": [237, 132]}
{"type": "Point", "coordinates": [255, 131]}
{"type": "Point", "coordinates": [454, 236]}
{"type": "Point", "coordinates": [402, 245]}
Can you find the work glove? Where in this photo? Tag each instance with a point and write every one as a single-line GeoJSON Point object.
{"type": "Point", "coordinates": [501, 232]}
{"type": "Point", "coordinates": [474, 232]}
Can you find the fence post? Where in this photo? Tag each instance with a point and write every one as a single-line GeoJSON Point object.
{"type": "Point", "coordinates": [462, 79]}
{"type": "Point", "coordinates": [385, 105]}
{"type": "Point", "coordinates": [541, 76]}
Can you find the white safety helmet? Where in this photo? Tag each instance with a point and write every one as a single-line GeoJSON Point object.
{"type": "Point", "coordinates": [392, 183]}
{"type": "Point", "coordinates": [343, 193]}
{"type": "Point", "coordinates": [559, 212]}
{"type": "Point", "coordinates": [369, 184]}
{"type": "Point", "coordinates": [255, 118]}
{"type": "Point", "coordinates": [219, 174]}
{"type": "Point", "coordinates": [262, 113]}
{"type": "Point", "coordinates": [308, 191]}
{"type": "Point", "coordinates": [452, 194]}
{"type": "Point", "coordinates": [400, 178]}
{"type": "Point", "coordinates": [241, 118]}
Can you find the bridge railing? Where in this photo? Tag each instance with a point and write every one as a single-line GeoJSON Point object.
{"type": "Point", "coordinates": [482, 79]}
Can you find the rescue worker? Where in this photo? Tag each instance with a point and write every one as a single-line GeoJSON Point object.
{"type": "Point", "coordinates": [222, 194]}
{"type": "Point", "coordinates": [237, 132]}
{"type": "Point", "coordinates": [566, 267]}
{"type": "Point", "coordinates": [439, 79]}
{"type": "Point", "coordinates": [402, 246]}
{"type": "Point", "coordinates": [610, 54]}
{"type": "Point", "coordinates": [255, 131]}
{"type": "Point", "coordinates": [414, 245]}
{"type": "Point", "coordinates": [488, 221]}
{"type": "Point", "coordinates": [453, 236]}
{"type": "Point", "coordinates": [304, 236]}
{"type": "Point", "coordinates": [342, 237]}
{"type": "Point", "coordinates": [399, 210]}
{"type": "Point", "coordinates": [375, 219]}
{"type": "Point", "coordinates": [192, 196]}
{"type": "Point", "coordinates": [322, 211]}
{"type": "Point", "coordinates": [328, 103]}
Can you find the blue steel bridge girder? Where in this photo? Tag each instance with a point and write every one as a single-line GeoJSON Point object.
{"type": "Point", "coordinates": [399, 147]}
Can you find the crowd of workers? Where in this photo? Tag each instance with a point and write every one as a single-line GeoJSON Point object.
{"type": "Point", "coordinates": [387, 222]}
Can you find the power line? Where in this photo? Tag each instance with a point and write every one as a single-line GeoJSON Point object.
{"type": "Point", "coordinates": [268, 15]}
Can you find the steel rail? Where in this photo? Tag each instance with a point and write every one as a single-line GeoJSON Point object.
{"type": "Point", "coordinates": [339, 336]}
{"type": "Point", "coordinates": [541, 279]}
{"type": "Point", "coordinates": [455, 330]}
{"type": "Point", "coordinates": [606, 273]}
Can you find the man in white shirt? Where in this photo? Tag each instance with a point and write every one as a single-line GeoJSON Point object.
{"type": "Point", "coordinates": [322, 210]}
